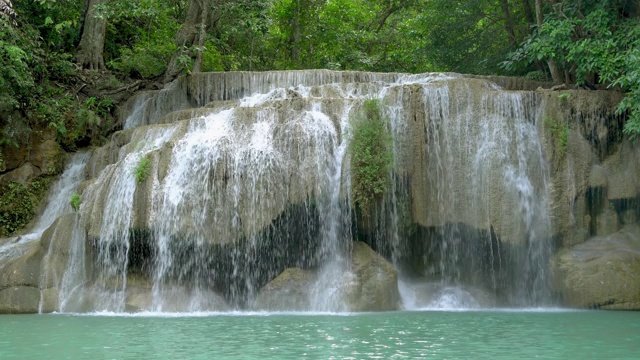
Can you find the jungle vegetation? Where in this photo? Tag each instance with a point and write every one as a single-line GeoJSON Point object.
{"type": "Point", "coordinates": [65, 64]}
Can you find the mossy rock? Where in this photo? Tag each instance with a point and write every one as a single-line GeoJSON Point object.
{"type": "Point", "coordinates": [18, 203]}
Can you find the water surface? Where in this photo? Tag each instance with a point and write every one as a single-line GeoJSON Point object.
{"type": "Point", "coordinates": [429, 334]}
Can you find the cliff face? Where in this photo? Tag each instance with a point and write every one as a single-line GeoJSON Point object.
{"type": "Point", "coordinates": [221, 181]}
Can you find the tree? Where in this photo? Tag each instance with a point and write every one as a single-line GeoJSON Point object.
{"type": "Point", "coordinates": [469, 36]}
{"type": "Point", "coordinates": [91, 47]}
{"type": "Point", "coordinates": [239, 37]}
{"type": "Point", "coordinates": [191, 38]}
{"type": "Point", "coordinates": [553, 67]}
{"type": "Point", "coordinates": [590, 42]}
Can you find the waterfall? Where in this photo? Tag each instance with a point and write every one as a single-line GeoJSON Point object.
{"type": "Point", "coordinates": [57, 202]}
{"type": "Point", "coordinates": [483, 192]}
{"type": "Point", "coordinates": [230, 176]}
{"type": "Point", "coordinates": [248, 174]}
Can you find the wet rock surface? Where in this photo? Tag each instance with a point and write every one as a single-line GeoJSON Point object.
{"type": "Point", "coordinates": [248, 184]}
{"type": "Point", "coordinates": [603, 272]}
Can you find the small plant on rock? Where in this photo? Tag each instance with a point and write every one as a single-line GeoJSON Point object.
{"type": "Point", "coordinates": [142, 170]}
{"type": "Point", "coordinates": [75, 202]}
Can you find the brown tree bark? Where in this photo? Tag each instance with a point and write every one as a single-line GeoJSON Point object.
{"type": "Point", "coordinates": [91, 47]}
{"type": "Point", "coordinates": [193, 32]}
{"type": "Point", "coordinates": [556, 74]}
{"type": "Point", "coordinates": [296, 36]}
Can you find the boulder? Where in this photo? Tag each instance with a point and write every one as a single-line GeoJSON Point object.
{"type": "Point", "coordinates": [49, 157]}
{"type": "Point", "coordinates": [35, 275]}
{"type": "Point", "coordinates": [22, 175]}
{"type": "Point", "coordinates": [369, 283]}
{"type": "Point", "coordinates": [601, 272]}
{"type": "Point", "coordinates": [289, 291]}
{"type": "Point", "coordinates": [19, 283]}
{"type": "Point", "coordinates": [140, 297]}
{"type": "Point", "coordinates": [19, 300]}
{"type": "Point", "coordinates": [374, 284]}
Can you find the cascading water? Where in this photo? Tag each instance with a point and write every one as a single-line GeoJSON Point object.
{"type": "Point", "coordinates": [483, 193]}
{"type": "Point", "coordinates": [258, 181]}
{"type": "Point", "coordinates": [57, 205]}
{"type": "Point", "coordinates": [230, 176]}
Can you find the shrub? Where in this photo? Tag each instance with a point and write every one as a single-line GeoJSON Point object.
{"type": "Point", "coordinates": [371, 155]}
{"type": "Point", "coordinates": [142, 170]}
{"type": "Point", "coordinates": [75, 202]}
{"type": "Point", "coordinates": [18, 203]}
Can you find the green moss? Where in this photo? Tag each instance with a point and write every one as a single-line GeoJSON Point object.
{"type": "Point", "coordinates": [564, 96]}
{"type": "Point", "coordinates": [142, 170]}
{"type": "Point", "coordinates": [371, 155]}
{"type": "Point", "coordinates": [18, 203]}
{"type": "Point", "coordinates": [559, 132]}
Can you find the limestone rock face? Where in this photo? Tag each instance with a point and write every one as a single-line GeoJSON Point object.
{"type": "Point", "coordinates": [37, 270]}
{"type": "Point", "coordinates": [46, 159]}
{"type": "Point", "coordinates": [602, 272]}
{"type": "Point", "coordinates": [290, 291]}
{"type": "Point", "coordinates": [594, 170]}
{"type": "Point", "coordinates": [19, 283]}
{"type": "Point", "coordinates": [228, 172]}
{"type": "Point", "coordinates": [56, 247]}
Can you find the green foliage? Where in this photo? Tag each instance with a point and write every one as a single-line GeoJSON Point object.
{"type": "Point", "coordinates": [18, 203]}
{"type": "Point", "coordinates": [564, 96]}
{"type": "Point", "coordinates": [212, 60]}
{"type": "Point", "coordinates": [141, 171]}
{"type": "Point", "coordinates": [371, 155]}
{"type": "Point", "coordinates": [630, 80]}
{"type": "Point", "coordinates": [75, 202]}
{"type": "Point", "coordinates": [36, 71]}
{"type": "Point", "coordinates": [16, 76]}
{"type": "Point", "coordinates": [140, 34]}
{"type": "Point", "coordinates": [595, 41]}
{"type": "Point", "coordinates": [536, 75]}
{"type": "Point", "coordinates": [147, 58]}
{"type": "Point", "coordinates": [559, 132]}
{"type": "Point", "coordinates": [467, 37]}
{"type": "Point", "coordinates": [73, 121]}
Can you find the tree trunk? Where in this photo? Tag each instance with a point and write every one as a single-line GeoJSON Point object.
{"type": "Point", "coordinates": [193, 32]}
{"type": "Point", "coordinates": [528, 14]}
{"type": "Point", "coordinates": [508, 23]}
{"type": "Point", "coordinates": [295, 36]}
{"type": "Point", "coordinates": [202, 36]}
{"type": "Point", "coordinates": [91, 47]}
{"type": "Point", "coordinates": [556, 74]}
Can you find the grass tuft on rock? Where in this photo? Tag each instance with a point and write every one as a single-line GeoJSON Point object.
{"type": "Point", "coordinates": [142, 170]}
